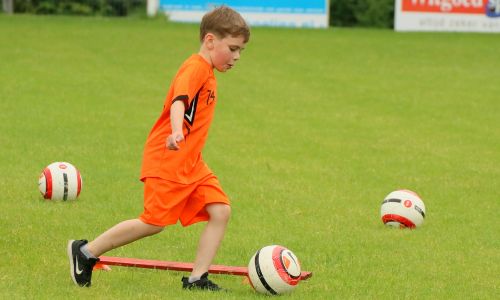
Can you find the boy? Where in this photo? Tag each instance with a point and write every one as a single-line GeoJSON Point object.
{"type": "Point", "coordinates": [178, 185]}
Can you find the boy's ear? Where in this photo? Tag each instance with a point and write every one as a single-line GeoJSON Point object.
{"type": "Point", "coordinates": [209, 40]}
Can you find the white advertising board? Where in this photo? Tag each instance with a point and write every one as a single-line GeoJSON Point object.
{"type": "Point", "coordinates": [298, 13]}
{"type": "Point", "coordinates": [447, 15]}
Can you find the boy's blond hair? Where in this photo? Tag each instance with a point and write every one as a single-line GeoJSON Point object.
{"type": "Point", "coordinates": [223, 21]}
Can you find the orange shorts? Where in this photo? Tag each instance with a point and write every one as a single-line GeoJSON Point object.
{"type": "Point", "coordinates": [166, 202]}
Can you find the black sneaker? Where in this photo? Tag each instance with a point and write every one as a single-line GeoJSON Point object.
{"type": "Point", "coordinates": [80, 266]}
{"type": "Point", "coordinates": [202, 284]}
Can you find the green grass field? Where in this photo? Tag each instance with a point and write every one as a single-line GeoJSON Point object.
{"type": "Point", "coordinates": [313, 129]}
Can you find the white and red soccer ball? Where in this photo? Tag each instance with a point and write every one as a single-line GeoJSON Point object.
{"type": "Point", "coordinates": [403, 209]}
{"type": "Point", "coordinates": [274, 270]}
{"type": "Point", "coordinates": [60, 181]}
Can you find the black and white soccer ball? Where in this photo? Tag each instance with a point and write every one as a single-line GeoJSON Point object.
{"type": "Point", "coordinates": [274, 270]}
{"type": "Point", "coordinates": [60, 181]}
{"type": "Point", "coordinates": [403, 209]}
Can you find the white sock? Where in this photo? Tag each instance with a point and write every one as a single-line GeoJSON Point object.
{"type": "Point", "coordinates": [86, 252]}
{"type": "Point", "coordinates": [193, 278]}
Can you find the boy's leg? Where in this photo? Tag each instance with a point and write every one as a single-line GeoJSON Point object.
{"type": "Point", "coordinates": [211, 237]}
{"type": "Point", "coordinates": [210, 240]}
{"type": "Point", "coordinates": [83, 256]}
{"type": "Point", "coordinates": [207, 203]}
{"type": "Point", "coordinates": [121, 234]}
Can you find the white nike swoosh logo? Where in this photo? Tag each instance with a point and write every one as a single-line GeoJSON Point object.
{"type": "Point", "coordinates": [189, 114]}
{"type": "Point", "coordinates": [78, 271]}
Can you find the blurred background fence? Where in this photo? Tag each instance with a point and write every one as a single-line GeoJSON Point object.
{"type": "Point", "coordinates": [365, 13]}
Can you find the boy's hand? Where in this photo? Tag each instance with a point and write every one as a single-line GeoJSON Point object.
{"type": "Point", "coordinates": [174, 140]}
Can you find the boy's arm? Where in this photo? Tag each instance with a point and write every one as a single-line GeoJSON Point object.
{"type": "Point", "coordinates": [176, 120]}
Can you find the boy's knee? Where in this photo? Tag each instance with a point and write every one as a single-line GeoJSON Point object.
{"type": "Point", "coordinates": [156, 229]}
{"type": "Point", "coordinates": [226, 212]}
{"type": "Point", "coordinates": [151, 229]}
{"type": "Point", "coordinates": [220, 212]}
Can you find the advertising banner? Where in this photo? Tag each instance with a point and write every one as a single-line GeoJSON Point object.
{"type": "Point", "coordinates": [448, 15]}
{"type": "Point", "coordinates": [298, 13]}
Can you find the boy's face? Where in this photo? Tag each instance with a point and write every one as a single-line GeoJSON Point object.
{"type": "Point", "coordinates": [225, 52]}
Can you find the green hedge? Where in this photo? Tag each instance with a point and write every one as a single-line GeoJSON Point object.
{"type": "Point", "coordinates": [79, 7]}
{"type": "Point", "coordinates": [366, 13]}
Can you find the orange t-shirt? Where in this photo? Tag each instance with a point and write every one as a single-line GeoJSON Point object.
{"type": "Point", "coordinates": [195, 85]}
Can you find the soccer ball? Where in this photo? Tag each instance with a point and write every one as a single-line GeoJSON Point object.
{"type": "Point", "coordinates": [403, 209]}
{"type": "Point", "coordinates": [274, 270]}
{"type": "Point", "coordinates": [60, 181]}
